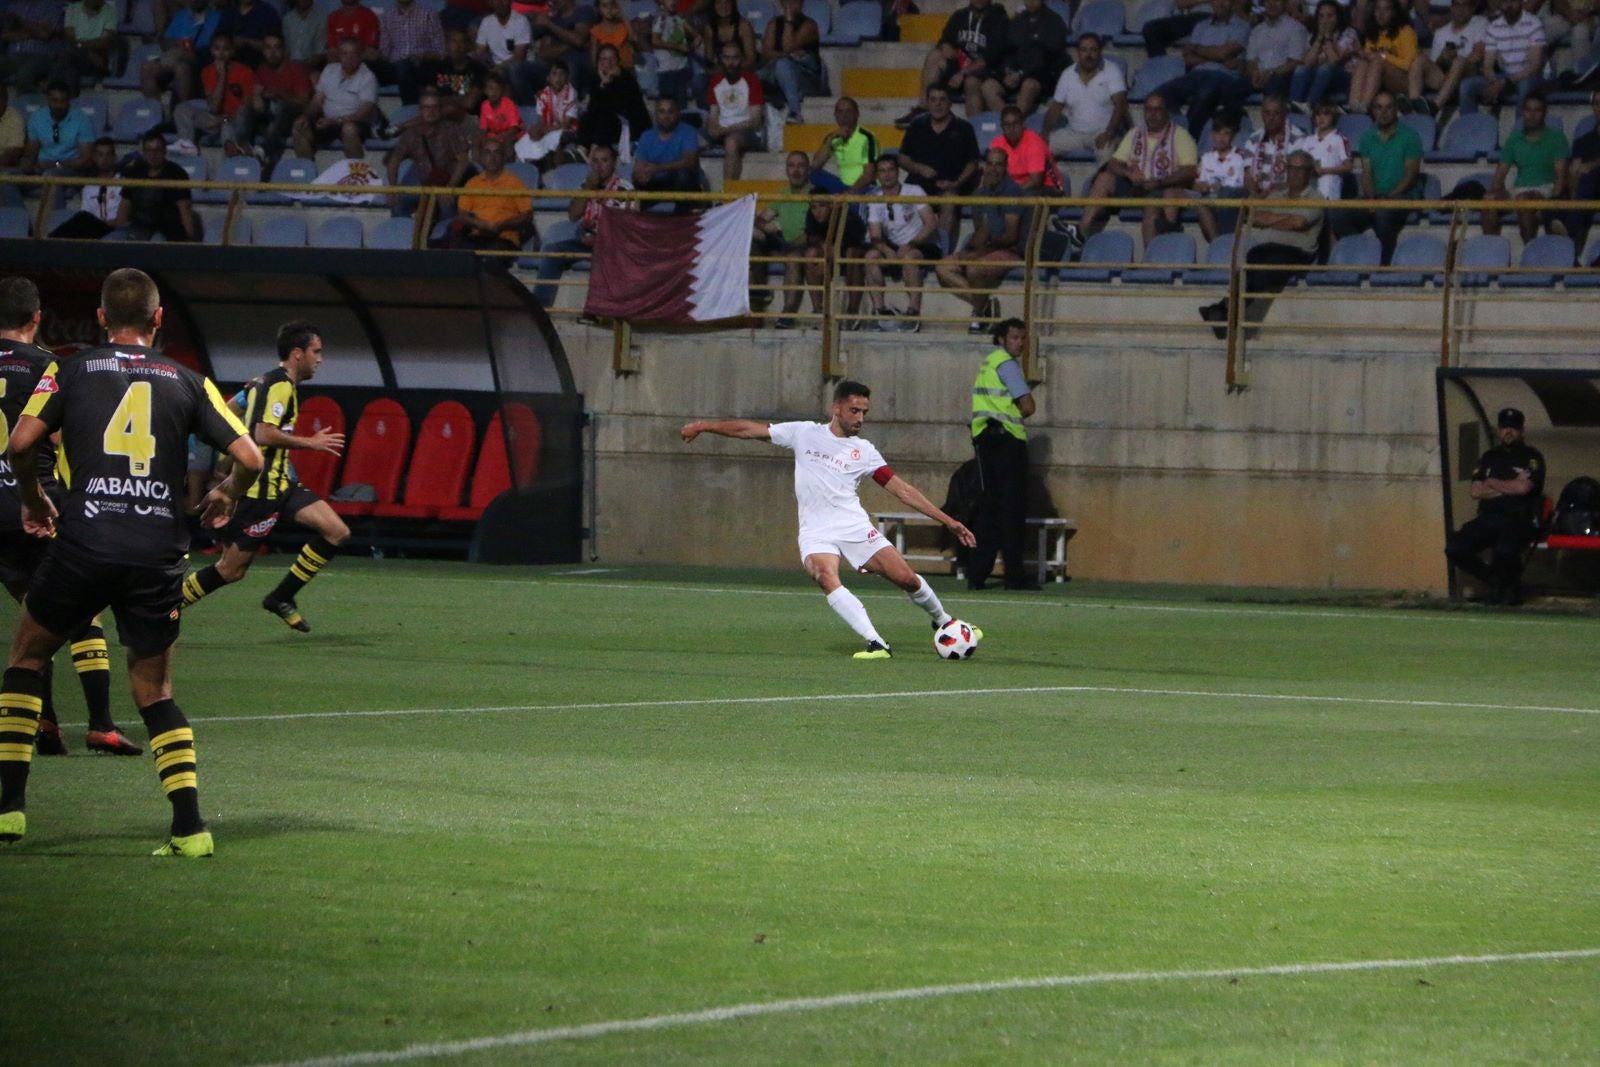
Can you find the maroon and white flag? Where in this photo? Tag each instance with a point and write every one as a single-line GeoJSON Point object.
{"type": "Point", "coordinates": [672, 268]}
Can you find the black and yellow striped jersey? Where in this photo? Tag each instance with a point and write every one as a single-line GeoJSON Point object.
{"type": "Point", "coordinates": [20, 367]}
{"type": "Point", "coordinates": [272, 399]}
{"type": "Point", "coordinates": [125, 416]}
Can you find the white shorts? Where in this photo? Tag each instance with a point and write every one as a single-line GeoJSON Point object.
{"type": "Point", "coordinates": [856, 553]}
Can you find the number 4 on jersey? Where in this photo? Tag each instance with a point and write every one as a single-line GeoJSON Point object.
{"type": "Point", "coordinates": [128, 432]}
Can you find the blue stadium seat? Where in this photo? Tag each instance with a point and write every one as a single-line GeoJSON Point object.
{"type": "Point", "coordinates": [134, 119]}
{"type": "Point", "coordinates": [291, 170]}
{"type": "Point", "coordinates": [635, 10]}
{"type": "Point", "coordinates": [759, 12]}
{"type": "Point", "coordinates": [231, 169]}
{"type": "Point", "coordinates": [1468, 139]}
{"type": "Point", "coordinates": [861, 20]}
{"type": "Point", "coordinates": [1102, 17]}
{"type": "Point", "coordinates": [13, 222]}
{"type": "Point", "coordinates": [986, 124]}
{"type": "Point", "coordinates": [98, 108]}
{"type": "Point", "coordinates": [1584, 125]}
{"type": "Point", "coordinates": [1418, 250]}
{"type": "Point", "coordinates": [1487, 253]}
{"type": "Point", "coordinates": [528, 172]}
{"type": "Point", "coordinates": [1112, 248]}
{"type": "Point", "coordinates": [281, 231]}
{"type": "Point", "coordinates": [821, 12]}
{"type": "Point", "coordinates": [1354, 250]}
{"type": "Point", "coordinates": [1154, 74]}
{"type": "Point", "coordinates": [1219, 263]}
{"type": "Point", "coordinates": [1585, 281]}
{"type": "Point", "coordinates": [242, 230]}
{"type": "Point", "coordinates": [57, 217]}
{"type": "Point", "coordinates": [566, 176]}
{"type": "Point", "coordinates": [1427, 129]}
{"type": "Point", "coordinates": [193, 166]}
{"type": "Point", "coordinates": [1353, 126]}
{"type": "Point", "coordinates": [1546, 250]}
{"type": "Point", "coordinates": [1167, 248]}
{"type": "Point", "coordinates": [27, 103]}
{"type": "Point", "coordinates": [341, 231]}
{"type": "Point", "coordinates": [1300, 123]}
{"type": "Point", "coordinates": [399, 115]}
{"type": "Point", "coordinates": [392, 234]}
{"type": "Point", "coordinates": [137, 57]}
{"type": "Point", "coordinates": [1153, 9]}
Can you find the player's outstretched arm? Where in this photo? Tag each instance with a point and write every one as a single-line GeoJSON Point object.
{"type": "Point", "coordinates": [911, 496]}
{"type": "Point", "coordinates": [748, 429]}
{"type": "Point", "coordinates": [324, 440]}
{"type": "Point", "coordinates": [219, 503]}
{"type": "Point", "coordinates": [38, 513]}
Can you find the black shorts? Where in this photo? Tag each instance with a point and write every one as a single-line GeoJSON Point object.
{"type": "Point", "coordinates": [20, 555]}
{"type": "Point", "coordinates": [71, 587]}
{"type": "Point", "coordinates": [254, 519]}
{"type": "Point", "coordinates": [930, 254]}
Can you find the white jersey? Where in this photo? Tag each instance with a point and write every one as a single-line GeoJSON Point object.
{"type": "Point", "coordinates": [827, 471]}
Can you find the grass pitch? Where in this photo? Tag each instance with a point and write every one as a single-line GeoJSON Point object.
{"type": "Point", "coordinates": [487, 816]}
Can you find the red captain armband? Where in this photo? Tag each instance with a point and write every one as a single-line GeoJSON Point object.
{"type": "Point", "coordinates": [883, 475]}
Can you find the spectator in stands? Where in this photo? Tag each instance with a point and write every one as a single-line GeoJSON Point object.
{"type": "Point", "coordinates": [852, 238]}
{"type": "Point", "coordinates": [60, 137]}
{"type": "Point", "coordinates": [1457, 49]}
{"type": "Point", "coordinates": [1094, 95]}
{"type": "Point", "coordinates": [737, 119]}
{"type": "Point", "coordinates": [30, 30]}
{"type": "Point", "coordinates": [498, 116]}
{"type": "Point", "coordinates": [781, 231]}
{"type": "Point", "coordinates": [852, 147]}
{"type": "Point", "coordinates": [249, 22]}
{"type": "Point", "coordinates": [1537, 152]}
{"type": "Point", "coordinates": [1267, 150]}
{"type": "Point", "coordinates": [1513, 58]}
{"type": "Point", "coordinates": [1508, 484]}
{"type": "Point", "coordinates": [282, 90]}
{"type": "Point", "coordinates": [724, 25]}
{"type": "Point", "coordinates": [91, 45]}
{"type": "Point", "coordinates": [1158, 160]}
{"type": "Point", "coordinates": [997, 244]}
{"type": "Point", "coordinates": [1035, 51]}
{"type": "Point", "coordinates": [1274, 49]}
{"type": "Point", "coordinates": [615, 101]}
{"type": "Point", "coordinates": [1215, 77]}
{"type": "Point", "coordinates": [1391, 169]}
{"type": "Point", "coordinates": [1388, 49]}
{"type": "Point", "coordinates": [487, 221]}
{"type": "Point", "coordinates": [97, 204]}
{"type": "Point", "coordinates": [555, 119]}
{"type": "Point", "coordinates": [146, 211]}
{"type": "Point", "coordinates": [1583, 176]}
{"type": "Point", "coordinates": [438, 151]}
{"type": "Point", "coordinates": [1568, 30]}
{"type": "Point", "coordinates": [13, 137]}
{"type": "Point", "coordinates": [586, 213]}
{"type": "Point", "coordinates": [410, 40]}
{"type": "Point", "coordinates": [1324, 69]}
{"type": "Point", "coordinates": [463, 15]}
{"type": "Point", "coordinates": [1330, 149]}
{"type": "Point", "coordinates": [228, 85]}
{"type": "Point", "coordinates": [504, 37]}
{"type": "Point", "coordinates": [672, 42]}
{"type": "Point", "coordinates": [1028, 158]}
{"type": "Point", "coordinates": [613, 30]}
{"type": "Point", "coordinates": [668, 156]}
{"type": "Point", "coordinates": [186, 35]}
{"type": "Point", "coordinates": [898, 231]}
{"type": "Point", "coordinates": [561, 32]}
{"type": "Point", "coordinates": [1279, 236]}
{"type": "Point", "coordinates": [458, 78]}
{"type": "Point", "coordinates": [1162, 33]}
{"type": "Point", "coordinates": [972, 44]}
{"type": "Point", "coordinates": [305, 32]}
{"type": "Point", "coordinates": [344, 106]}
{"type": "Point", "coordinates": [791, 57]}
{"type": "Point", "coordinates": [353, 20]}
{"type": "Point", "coordinates": [1221, 177]}
{"type": "Point", "coordinates": [940, 151]}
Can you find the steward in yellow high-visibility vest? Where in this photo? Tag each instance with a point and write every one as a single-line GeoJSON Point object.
{"type": "Point", "coordinates": [1001, 400]}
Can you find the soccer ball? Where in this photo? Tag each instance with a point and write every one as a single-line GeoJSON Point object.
{"type": "Point", "coordinates": [955, 640]}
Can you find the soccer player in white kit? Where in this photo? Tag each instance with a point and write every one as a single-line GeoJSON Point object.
{"type": "Point", "coordinates": [830, 459]}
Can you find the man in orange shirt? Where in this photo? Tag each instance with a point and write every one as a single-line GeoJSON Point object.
{"type": "Point", "coordinates": [229, 85]}
{"type": "Point", "coordinates": [1028, 158]}
{"type": "Point", "coordinates": [491, 221]}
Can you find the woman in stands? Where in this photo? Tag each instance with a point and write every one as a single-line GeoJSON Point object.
{"type": "Point", "coordinates": [616, 99]}
{"type": "Point", "coordinates": [1334, 50]}
{"type": "Point", "coordinates": [1389, 47]}
{"type": "Point", "coordinates": [724, 25]}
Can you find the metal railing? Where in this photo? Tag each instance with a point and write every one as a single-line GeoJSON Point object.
{"type": "Point", "coordinates": [1456, 300]}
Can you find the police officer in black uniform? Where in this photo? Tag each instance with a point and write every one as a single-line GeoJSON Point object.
{"type": "Point", "coordinates": [1508, 485]}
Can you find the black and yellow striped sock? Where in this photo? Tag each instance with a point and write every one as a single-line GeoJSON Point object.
{"type": "Point", "coordinates": [201, 583]}
{"type": "Point", "coordinates": [21, 702]}
{"type": "Point", "coordinates": [314, 556]}
{"type": "Point", "coordinates": [172, 744]}
{"type": "Point", "coordinates": [93, 663]}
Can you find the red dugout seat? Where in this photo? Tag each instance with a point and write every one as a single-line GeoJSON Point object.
{"type": "Point", "coordinates": [375, 455]}
{"type": "Point", "coordinates": [439, 463]}
{"type": "Point", "coordinates": [490, 477]}
{"type": "Point", "coordinates": [315, 470]}
{"type": "Point", "coordinates": [527, 440]}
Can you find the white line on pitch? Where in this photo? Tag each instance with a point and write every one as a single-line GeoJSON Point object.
{"type": "Point", "coordinates": [622, 705]}
{"type": "Point", "coordinates": [800, 1005]}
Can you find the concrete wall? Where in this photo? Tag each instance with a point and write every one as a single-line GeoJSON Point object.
{"type": "Point", "coordinates": [1323, 474]}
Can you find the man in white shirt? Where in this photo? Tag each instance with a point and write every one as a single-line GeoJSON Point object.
{"type": "Point", "coordinates": [1266, 151]}
{"type": "Point", "coordinates": [1457, 49]}
{"type": "Point", "coordinates": [1094, 95]}
{"type": "Point", "coordinates": [899, 232]}
{"type": "Point", "coordinates": [344, 106]}
{"type": "Point", "coordinates": [830, 460]}
{"type": "Point", "coordinates": [1513, 57]}
{"type": "Point", "coordinates": [504, 36]}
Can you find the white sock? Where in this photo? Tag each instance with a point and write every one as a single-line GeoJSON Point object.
{"type": "Point", "coordinates": [926, 599]}
{"type": "Point", "coordinates": [853, 612]}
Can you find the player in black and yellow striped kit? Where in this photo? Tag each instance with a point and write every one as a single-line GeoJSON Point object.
{"type": "Point", "coordinates": [271, 403]}
{"type": "Point", "coordinates": [125, 416]}
{"type": "Point", "coordinates": [21, 364]}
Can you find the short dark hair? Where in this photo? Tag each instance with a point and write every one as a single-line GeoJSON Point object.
{"type": "Point", "coordinates": [1226, 119]}
{"type": "Point", "coordinates": [129, 299]}
{"type": "Point", "coordinates": [1005, 326]}
{"type": "Point", "coordinates": [152, 134]}
{"type": "Point", "coordinates": [847, 389]}
{"type": "Point", "coordinates": [296, 334]}
{"type": "Point", "coordinates": [19, 302]}
{"type": "Point", "coordinates": [103, 142]}
{"type": "Point", "coordinates": [1010, 111]}
{"type": "Point", "coordinates": [1092, 36]}
{"type": "Point", "coordinates": [557, 64]}
{"type": "Point", "coordinates": [58, 86]}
